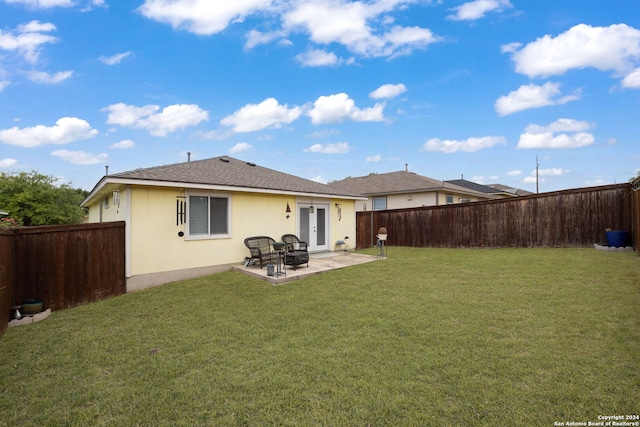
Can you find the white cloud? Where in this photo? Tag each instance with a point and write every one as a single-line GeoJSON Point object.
{"type": "Point", "coordinates": [339, 148]}
{"type": "Point", "coordinates": [7, 163]}
{"type": "Point", "coordinates": [532, 96]}
{"type": "Point", "coordinates": [317, 58]}
{"type": "Point", "coordinates": [129, 115]}
{"type": "Point", "coordinates": [373, 159]}
{"type": "Point", "coordinates": [80, 157]}
{"type": "Point", "coordinates": [3, 84]}
{"type": "Point", "coordinates": [323, 133]}
{"type": "Point", "coordinates": [469, 145]}
{"type": "Point", "coordinates": [477, 9]}
{"type": "Point", "coordinates": [510, 47]}
{"type": "Point", "coordinates": [158, 123]}
{"type": "Point", "coordinates": [319, 179]}
{"type": "Point", "coordinates": [615, 48]}
{"type": "Point", "coordinates": [549, 140]}
{"type": "Point", "coordinates": [632, 80]}
{"type": "Point", "coordinates": [514, 173]}
{"type": "Point", "coordinates": [339, 107]}
{"type": "Point", "coordinates": [256, 38]}
{"type": "Point", "coordinates": [124, 144]}
{"type": "Point", "coordinates": [541, 174]}
{"type": "Point", "coordinates": [46, 78]}
{"type": "Point", "coordinates": [239, 147]}
{"type": "Point", "coordinates": [114, 59]}
{"type": "Point", "coordinates": [550, 172]}
{"type": "Point", "coordinates": [388, 91]}
{"type": "Point", "coordinates": [362, 27]}
{"type": "Point", "coordinates": [480, 179]}
{"type": "Point", "coordinates": [94, 3]}
{"type": "Point", "coordinates": [199, 16]}
{"type": "Point", "coordinates": [66, 130]}
{"type": "Point", "coordinates": [359, 26]}
{"type": "Point", "coordinates": [255, 117]}
{"type": "Point", "coordinates": [42, 4]}
{"type": "Point", "coordinates": [561, 125]}
{"type": "Point", "coordinates": [553, 136]}
{"type": "Point", "coordinates": [28, 39]}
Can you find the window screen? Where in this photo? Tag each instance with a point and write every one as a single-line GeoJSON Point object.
{"type": "Point", "coordinates": [208, 215]}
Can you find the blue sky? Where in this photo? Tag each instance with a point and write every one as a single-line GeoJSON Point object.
{"type": "Point", "coordinates": [325, 89]}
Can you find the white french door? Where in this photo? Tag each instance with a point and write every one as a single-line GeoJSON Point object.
{"type": "Point", "coordinates": [313, 226]}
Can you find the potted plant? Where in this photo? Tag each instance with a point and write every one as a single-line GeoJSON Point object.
{"type": "Point", "coordinates": [32, 306]}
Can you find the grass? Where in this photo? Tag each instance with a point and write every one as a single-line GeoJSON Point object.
{"type": "Point", "coordinates": [426, 337]}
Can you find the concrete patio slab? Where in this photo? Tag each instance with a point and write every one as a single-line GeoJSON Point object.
{"type": "Point", "coordinates": [318, 263]}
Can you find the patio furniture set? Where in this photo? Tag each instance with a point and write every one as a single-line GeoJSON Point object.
{"type": "Point", "coordinates": [290, 251]}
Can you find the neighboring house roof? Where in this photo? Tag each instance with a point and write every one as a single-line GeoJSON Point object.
{"type": "Point", "coordinates": [399, 183]}
{"type": "Point", "coordinates": [486, 189]}
{"type": "Point", "coordinates": [474, 186]}
{"type": "Point", "coordinates": [222, 173]}
{"type": "Point", "coordinates": [495, 189]}
{"type": "Point", "coordinates": [516, 191]}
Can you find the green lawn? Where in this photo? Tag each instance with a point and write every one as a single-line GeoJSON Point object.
{"type": "Point", "coordinates": [427, 337]}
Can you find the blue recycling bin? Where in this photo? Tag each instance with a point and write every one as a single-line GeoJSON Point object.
{"type": "Point", "coordinates": [617, 238]}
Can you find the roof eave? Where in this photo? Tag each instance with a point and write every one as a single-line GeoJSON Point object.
{"type": "Point", "coordinates": [433, 189]}
{"type": "Point", "coordinates": [210, 187]}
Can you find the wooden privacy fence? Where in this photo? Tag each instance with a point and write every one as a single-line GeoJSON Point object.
{"type": "Point", "coordinates": [635, 187]}
{"type": "Point", "coordinates": [570, 218]}
{"type": "Point", "coordinates": [64, 266]}
{"type": "Point", "coordinates": [6, 276]}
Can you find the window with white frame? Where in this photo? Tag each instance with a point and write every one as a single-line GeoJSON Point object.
{"type": "Point", "coordinates": [208, 216]}
{"type": "Point", "coordinates": [449, 199]}
{"type": "Point", "coordinates": [379, 203]}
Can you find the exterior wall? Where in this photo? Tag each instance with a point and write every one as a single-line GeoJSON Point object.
{"type": "Point", "coordinates": [156, 245]}
{"type": "Point", "coordinates": [342, 219]}
{"type": "Point", "coordinates": [342, 224]}
{"type": "Point", "coordinates": [156, 253]}
{"type": "Point", "coordinates": [112, 210]}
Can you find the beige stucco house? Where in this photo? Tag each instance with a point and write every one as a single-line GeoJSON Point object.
{"type": "Point", "coordinates": [188, 219]}
{"type": "Point", "coordinates": [404, 189]}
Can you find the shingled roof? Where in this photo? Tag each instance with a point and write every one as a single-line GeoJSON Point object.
{"type": "Point", "coordinates": [511, 190]}
{"type": "Point", "coordinates": [398, 183]}
{"type": "Point", "coordinates": [477, 187]}
{"type": "Point", "coordinates": [223, 172]}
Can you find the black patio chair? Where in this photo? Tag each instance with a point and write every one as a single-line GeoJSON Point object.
{"type": "Point", "coordinates": [296, 252]}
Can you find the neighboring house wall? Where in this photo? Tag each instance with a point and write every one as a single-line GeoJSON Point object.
{"type": "Point", "coordinates": [416, 200]}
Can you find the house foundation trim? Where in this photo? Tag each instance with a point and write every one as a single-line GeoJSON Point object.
{"type": "Point", "coordinates": [144, 281]}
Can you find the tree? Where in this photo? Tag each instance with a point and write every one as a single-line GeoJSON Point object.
{"type": "Point", "coordinates": [36, 199]}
